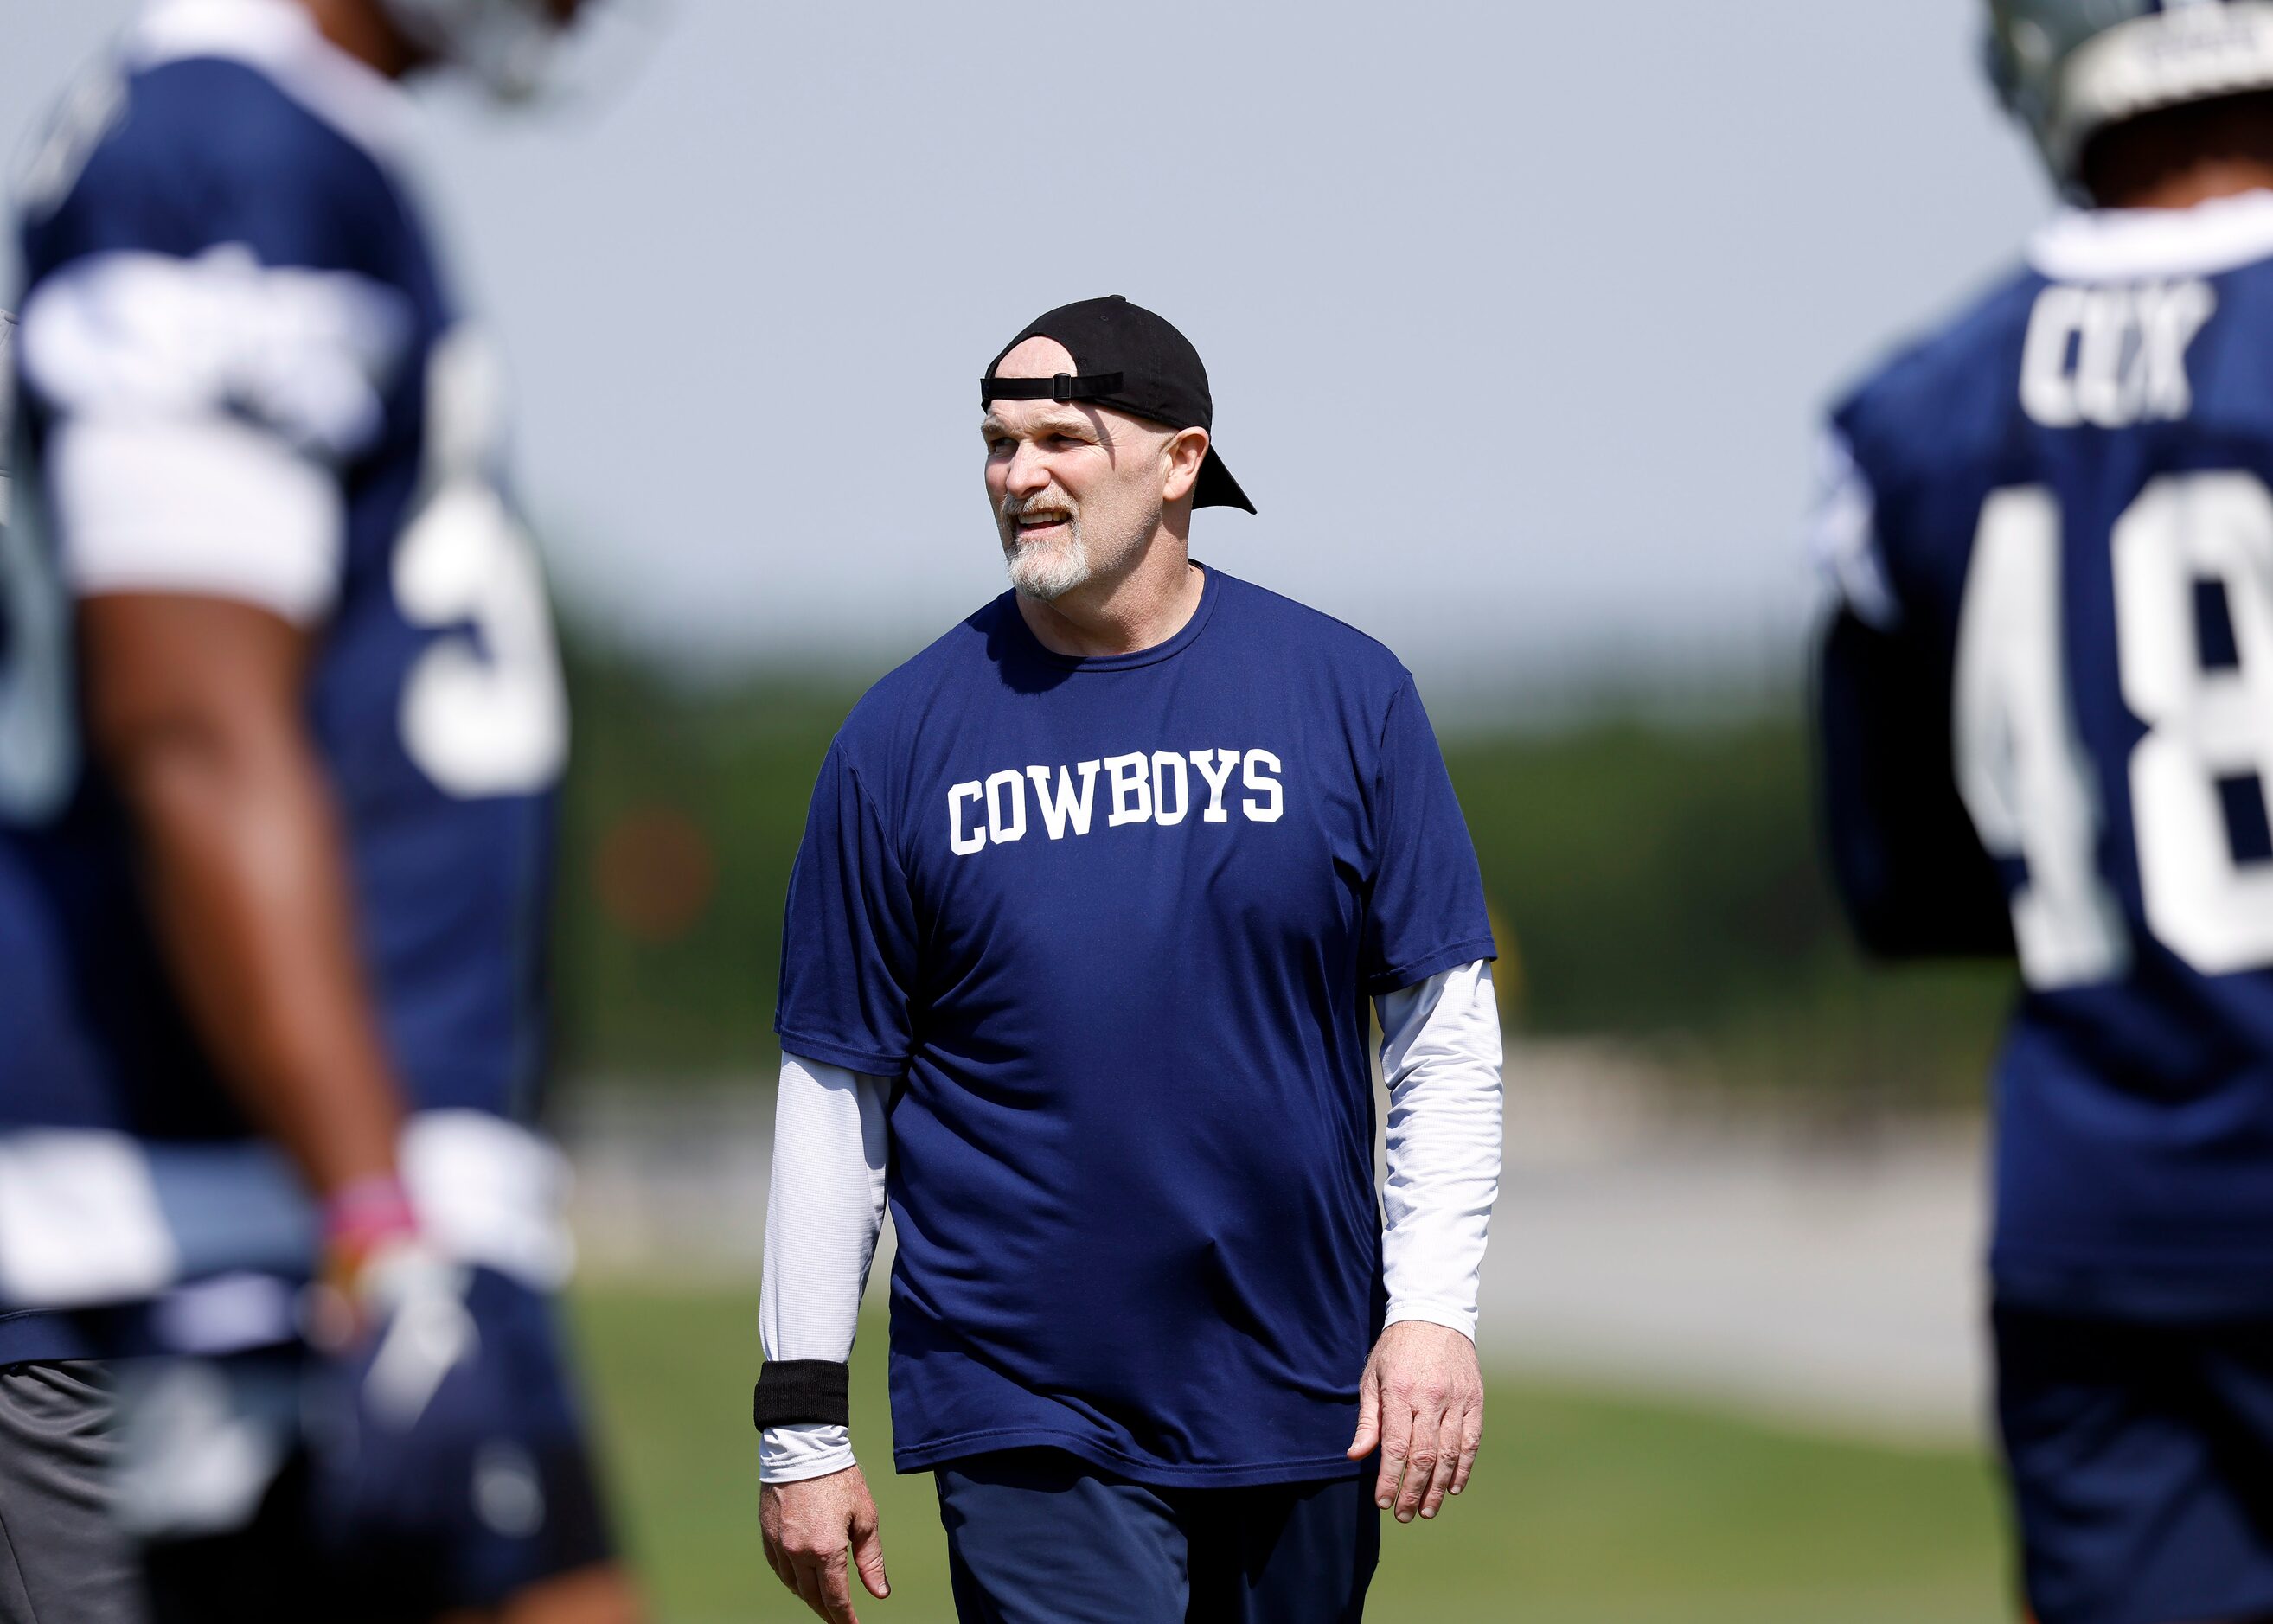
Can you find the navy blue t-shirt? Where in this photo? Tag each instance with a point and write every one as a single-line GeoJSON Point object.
{"type": "Point", "coordinates": [1111, 924]}
{"type": "Point", "coordinates": [2071, 549]}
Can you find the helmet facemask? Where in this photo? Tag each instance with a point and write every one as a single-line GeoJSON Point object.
{"type": "Point", "coordinates": [507, 45]}
{"type": "Point", "coordinates": [2067, 69]}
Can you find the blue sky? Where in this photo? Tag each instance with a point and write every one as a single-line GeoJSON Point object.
{"type": "Point", "coordinates": [1518, 317]}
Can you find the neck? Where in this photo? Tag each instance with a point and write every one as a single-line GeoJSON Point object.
{"type": "Point", "coordinates": [2182, 188]}
{"type": "Point", "coordinates": [361, 30]}
{"type": "Point", "coordinates": [2179, 156]}
{"type": "Point", "coordinates": [1141, 607]}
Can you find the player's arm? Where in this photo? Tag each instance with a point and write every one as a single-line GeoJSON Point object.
{"type": "Point", "coordinates": [824, 1210]}
{"type": "Point", "coordinates": [1908, 867]}
{"type": "Point", "coordinates": [1420, 1399]}
{"type": "Point", "coordinates": [199, 410]}
{"type": "Point", "coordinates": [195, 707]}
{"type": "Point", "coordinates": [1902, 850]}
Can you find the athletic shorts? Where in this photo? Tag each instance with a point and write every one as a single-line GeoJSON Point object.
{"type": "Point", "coordinates": [538, 1511]}
{"type": "Point", "coordinates": [1037, 1537]}
{"type": "Point", "coordinates": [2141, 1466]}
{"type": "Point", "coordinates": [63, 1558]}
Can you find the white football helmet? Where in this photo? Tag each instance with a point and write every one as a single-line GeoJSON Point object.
{"type": "Point", "coordinates": [508, 45]}
{"type": "Point", "coordinates": [2066, 68]}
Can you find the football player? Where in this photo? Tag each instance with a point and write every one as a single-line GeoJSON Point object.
{"type": "Point", "coordinates": [281, 722]}
{"type": "Point", "coordinates": [2046, 719]}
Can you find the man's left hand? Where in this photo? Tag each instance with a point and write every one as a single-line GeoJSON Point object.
{"type": "Point", "coordinates": [1420, 1403]}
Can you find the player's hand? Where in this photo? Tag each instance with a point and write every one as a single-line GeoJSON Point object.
{"type": "Point", "coordinates": [406, 1397]}
{"type": "Point", "coordinates": [816, 1532]}
{"type": "Point", "coordinates": [400, 1411]}
{"type": "Point", "coordinates": [1420, 1403]}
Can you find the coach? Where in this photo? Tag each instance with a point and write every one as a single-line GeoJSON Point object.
{"type": "Point", "coordinates": [1093, 894]}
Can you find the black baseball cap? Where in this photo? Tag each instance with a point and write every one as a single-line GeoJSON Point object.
{"type": "Point", "coordinates": [1127, 358]}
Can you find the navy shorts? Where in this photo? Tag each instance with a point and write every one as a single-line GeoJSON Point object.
{"type": "Point", "coordinates": [537, 1514]}
{"type": "Point", "coordinates": [1037, 1537]}
{"type": "Point", "coordinates": [2142, 1464]}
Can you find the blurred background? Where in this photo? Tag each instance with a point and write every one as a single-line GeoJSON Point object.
{"type": "Point", "coordinates": [1519, 319]}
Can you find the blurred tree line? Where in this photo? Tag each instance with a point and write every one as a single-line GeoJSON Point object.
{"type": "Point", "coordinates": [1653, 882]}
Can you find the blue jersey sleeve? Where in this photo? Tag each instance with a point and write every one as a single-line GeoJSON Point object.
{"type": "Point", "coordinates": [224, 255]}
{"type": "Point", "coordinates": [1909, 867]}
{"type": "Point", "coordinates": [848, 936]}
{"type": "Point", "coordinates": [211, 153]}
{"type": "Point", "coordinates": [1911, 455]}
{"type": "Point", "coordinates": [1426, 912]}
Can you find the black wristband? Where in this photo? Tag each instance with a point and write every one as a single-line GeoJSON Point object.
{"type": "Point", "coordinates": [795, 1392]}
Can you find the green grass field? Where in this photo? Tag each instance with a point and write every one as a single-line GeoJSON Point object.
{"type": "Point", "coordinates": [1585, 1508]}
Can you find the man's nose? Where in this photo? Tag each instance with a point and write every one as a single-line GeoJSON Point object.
{"type": "Point", "coordinates": [1029, 473]}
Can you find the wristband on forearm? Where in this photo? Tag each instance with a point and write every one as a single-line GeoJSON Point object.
{"type": "Point", "coordinates": [803, 1392]}
{"type": "Point", "coordinates": [364, 1223]}
{"type": "Point", "coordinates": [364, 1219]}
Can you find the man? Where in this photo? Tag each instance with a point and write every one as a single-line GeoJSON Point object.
{"type": "Point", "coordinates": [1091, 899]}
{"type": "Point", "coordinates": [2044, 703]}
{"type": "Point", "coordinates": [281, 722]}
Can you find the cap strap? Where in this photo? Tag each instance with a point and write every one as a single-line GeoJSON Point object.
{"type": "Point", "coordinates": [1063, 386]}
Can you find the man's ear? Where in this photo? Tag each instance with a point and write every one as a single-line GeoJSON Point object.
{"type": "Point", "coordinates": [1181, 459]}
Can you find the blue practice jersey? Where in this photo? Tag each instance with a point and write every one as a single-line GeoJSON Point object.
{"type": "Point", "coordinates": [1111, 925]}
{"type": "Point", "coordinates": [242, 375]}
{"type": "Point", "coordinates": [2048, 725]}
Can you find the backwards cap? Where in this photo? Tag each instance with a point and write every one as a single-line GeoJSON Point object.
{"type": "Point", "coordinates": [1126, 358]}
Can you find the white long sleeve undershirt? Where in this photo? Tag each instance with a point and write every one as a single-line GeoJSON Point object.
{"type": "Point", "coordinates": [823, 1213]}
{"type": "Point", "coordinates": [1440, 1056]}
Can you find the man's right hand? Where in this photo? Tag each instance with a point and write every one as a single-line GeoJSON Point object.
{"type": "Point", "coordinates": [816, 1532]}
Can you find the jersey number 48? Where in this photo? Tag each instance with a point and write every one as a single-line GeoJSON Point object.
{"type": "Point", "coordinates": [2022, 769]}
